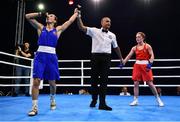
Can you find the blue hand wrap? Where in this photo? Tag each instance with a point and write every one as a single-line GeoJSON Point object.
{"type": "Point", "coordinates": [121, 65]}
{"type": "Point", "coordinates": [149, 65]}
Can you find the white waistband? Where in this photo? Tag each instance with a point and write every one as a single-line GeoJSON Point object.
{"type": "Point", "coordinates": [142, 61]}
{"type": "Point", "coordinates": [46, 49]}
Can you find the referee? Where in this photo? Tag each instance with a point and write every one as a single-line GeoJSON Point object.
{"type": "Point", "coordinates": [102, 40]}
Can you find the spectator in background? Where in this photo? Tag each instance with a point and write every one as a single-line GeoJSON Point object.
{"type": "Point", "coordinates": [124, 92]}
{"type": "Point", "coordinates": [178, 91]}
{"type": "Point", "coordinates": [159, 90]}
{"type": "Point", "coordinates": [83, 92]}
{"type": "Point", "coordinates": [68, 92]}
{"type": "Point", "coordinates": [23, 51]}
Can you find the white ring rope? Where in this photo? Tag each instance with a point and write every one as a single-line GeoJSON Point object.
{"type": "Point", "coordinates": [131, 60]}
{"type": "Point", "coordinates": [82, 68]}
{"type": "Point", "coordinates": [7, 54]}
{"type": "Point", "coordinates": [14, 64]}
{"type": "Point", "coordinates": [18, 77]}
{"type": "Point", "coordinates": [88, 68]}
{"type": "Point", "coordinates": [85, 85]}
{"type": "Point", "coordinates": [14, 77]}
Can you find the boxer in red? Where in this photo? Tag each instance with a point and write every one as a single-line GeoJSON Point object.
{"type": "Point", "coordinates": [142, 68]}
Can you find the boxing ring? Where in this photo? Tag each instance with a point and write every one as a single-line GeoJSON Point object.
{"type": "Point", "coordinates": [76, 73]}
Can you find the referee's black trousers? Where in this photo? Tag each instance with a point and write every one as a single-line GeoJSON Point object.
{"type": "Point", "coordinates": [100, 67]}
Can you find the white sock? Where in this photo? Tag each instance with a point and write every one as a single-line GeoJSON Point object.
{"type": "Point", "coordinates": [35, 103]}
{"type": "Point", "coordinates": [135, 98]}
{"type": "Point", "coordinates": [157, 97]}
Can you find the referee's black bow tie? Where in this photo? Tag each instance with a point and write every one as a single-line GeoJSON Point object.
{"type": "Point", "coordinates": [103, 30]}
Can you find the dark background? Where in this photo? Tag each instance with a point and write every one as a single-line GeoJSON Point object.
{"type": "Point", "coordinates": [158, 19]}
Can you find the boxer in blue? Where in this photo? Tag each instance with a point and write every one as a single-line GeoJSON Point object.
{"type": "Point", "coordinates": [46, 62]}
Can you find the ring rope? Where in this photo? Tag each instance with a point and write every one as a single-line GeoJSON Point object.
{"type": "Point", "coordinates": [85, 85]}
{"type": "Point", "coordinates": [18, 77]}
{"type": "Point", "coordinates": [82, 68]}
{"type": "Point", "coordinates": [116, 60]}
{"type": "Point", "coordinates": [14, 64]}
{"type": "Point", "coordinates": [88, 68]}
{"type": "Point", "coordinates": [12, 55]}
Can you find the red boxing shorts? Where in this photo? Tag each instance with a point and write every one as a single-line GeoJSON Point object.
{"type": "Point", "coordinates": [140, 73]}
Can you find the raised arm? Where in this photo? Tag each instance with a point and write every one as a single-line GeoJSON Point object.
{"type": "Point", "coordinates": [80, 24]}
{"type": "Point", "coordinates": [31, 17]}
{"type": "Point", "coordinates": [64, 26]}
{"type": "Point", "coordinates": [129, 55]}
{"type": "Point", "coordinates": [23, 53]}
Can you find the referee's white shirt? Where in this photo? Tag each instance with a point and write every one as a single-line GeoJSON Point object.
{"type": "Point", "coordinates": [101, 41]}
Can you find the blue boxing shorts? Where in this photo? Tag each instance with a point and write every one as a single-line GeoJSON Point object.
{"type": "Point", "coordinates": [46, 66]}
